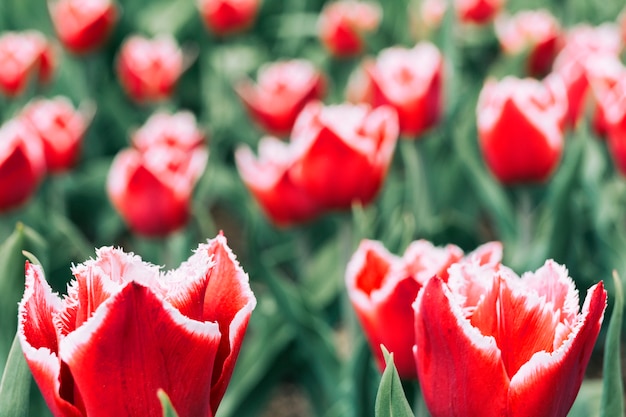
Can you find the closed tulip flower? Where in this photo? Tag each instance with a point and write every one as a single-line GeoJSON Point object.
{"type": "Point", "coordinates": [148, 69]}
{"type": "Point", "coordinates": [343, 24]}
{"type": "Point", "coordinates": [614, 109]}
{"type": "Point", "coordinates": [61, 128]}
{"type": "Point", "coordinates": [295, 182]}
{"type": "Point", "coordinates": [152, 189]}
{"type": "Point", "coordinates": [536, 32]}
{"type": "Point", "coordinates": [83, 25]}
{"type": "Point", "coordinates": [604, 74]}
{"type": "Point", "coordinates": [520, 128]}
{"type": "Point", "coordinates": [410, 81]}
{"type": "Point", "coordinates": [24, 58]}
{"type": "Point", "coordinates": [521, 343]}
{"type": "Point", "coordinates": [225, 17]}
{"type": "Point", "coordinates": [282, 90]}
{"type": "Point", "coordinates": [22, 164]}
{"type": "Point", "coordinates": [125, 330]}
{"type": "Point", "coordinates": [179, 130]}
{"type": "Point", "coordinates": [478, 12]}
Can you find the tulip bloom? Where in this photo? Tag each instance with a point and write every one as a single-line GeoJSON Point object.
{"type": "Point", "coordinates": [491, 344]}
{"type": "Point", "coordinates": [614, 109]}
{"type": "Point", "coordinates": [22, 164]}
{"type": "Point", "coordinates": [337, 155]}
{"type": "Point", "coordinates": [61, 129]}
{"type": "Point", "coordinates": [342, 26]}
{"type": "Point", "coordinates": [282, 90]}
{"type": "Point", "coordinates": [520, 127]}
{"type": "Point", "coordinates": [604, 74]}
{"type": "Point", "coordinates": [127, 326]}
{"type": "Point", "coordinates": [409, 80]}
{"type": "Point", "coordinates": [179, 130]}
{"type": "Point", "coordinates": [83, 25]}
{"type": "Point", "coordinates": [23, 56]}
{"type": "Point", "coordinates": [382, 288]}
{"type": "Point", "coordinates": [225, 17]}
{"type": "Point", "coordinates": [478, 11]}
{"type": "Point", "coordinates": [536, 32]}
{"type": "Point", "coordinates": [148, 69]}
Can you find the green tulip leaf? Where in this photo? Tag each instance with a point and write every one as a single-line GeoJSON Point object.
{"type": "Point", "coordinates": [612, 398]}
{"type": "Point", "coordinates": [390, 400]}
{"type": "Point", "coordinates": [168, 409]}
{"type": "Point", "coordinates": [15, 385]}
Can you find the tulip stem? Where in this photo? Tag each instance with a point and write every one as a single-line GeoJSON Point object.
{"type": "Point", "coordinates": [418, 196]}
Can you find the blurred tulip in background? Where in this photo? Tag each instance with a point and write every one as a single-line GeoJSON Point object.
{"type": "Point", "coordinates": [478, 12]}
{"type": "Point", "coordinates": [226, 17]}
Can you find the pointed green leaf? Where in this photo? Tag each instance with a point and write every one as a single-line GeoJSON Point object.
{"type": "Point", "coordinates": [15, 385]}
{"type": "Point", "coordinates": [612, 398]}
{"type": "Point", "coordinates": [390, 400]}
{"type": "Point", "coordinates": [168, 409]}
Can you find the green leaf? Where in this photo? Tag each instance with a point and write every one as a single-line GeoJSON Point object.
{"type": "Point", "coordinates": [612, 392]}
{"type": "Point", "coordinates": [390, 400]}
{"type": "Point", "coordinates": [15, 385]}
{"type": "Point", "coordinates": [168, 409]}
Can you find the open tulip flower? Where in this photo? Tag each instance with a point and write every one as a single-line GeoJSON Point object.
{"type": "Point", "coordinates": [536, 32]}
{"type": "Point", "coordinates": [148, 69]}
{"type": "Point", "coordinates": [83, 25]}
{"type": "Point", "coordinates": [410, 81]}
{"type": "Point", "coordinates": [491, 344]}
{"type": "Point", "coordinates": [343, 25]}
{"type": "Point", "coordinates": [24, 56]}
{"type": "Point", "coordinates": [125, 330]}
{"type": "Point", "coordinates": [22, 163]}
{"type": "Point", "coordinates": [478, 12]}
{"type": "Point", "coordinates": [382, 288]}
{"type": "Point", "coordinates": [61, 128]}
{"type": "Point", "coordinates": [520, 127]}
{"type": "Point", "coordinates": [282, 90]}
{"type": "Point", "coordinates": [337, 155]}
{"type": "Point", "coordinates": [225, 17]}
{"type": "Point", "coordinates": [179, 130]}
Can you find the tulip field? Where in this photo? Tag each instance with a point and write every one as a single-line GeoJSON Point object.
{"type": "Point", "coordinates": [312, 208]}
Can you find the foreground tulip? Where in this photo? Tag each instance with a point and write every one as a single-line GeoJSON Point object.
{"type": "Point", "coordinates": [83, 25]}
{"type": "Point", "coordinates": [522, 343]}
{"type": "Point", "coordinates": [520, 128]}
{"type": "Point", "coordinates": [343, 25]}
{"type": "Point", "coordinates": [152, 189]}
{"type": "Point", "coordinates": [382, 288]}
{"type": "Point", "coordinates": [478, 11]}
{"type": "Point", "coordinates": [282, 90]}
{"type": "Point", "coordinates": [126, 329]}
{"type": "Point", "coordinates": [61, 128]}
{"type": "Point", "coordinates": [409, 80]}
{"type": "Point", "coordinates": [148, 69]}
{"type": "Point", "coordinates": [22, 164]}
{"type": "Point", "coordinates": [24, 56]}
{"type": "Point", "coordinates": [536, 32]}
{"type": "Point", "coordinates": [338, 155]}
{"type": "Point", "coordinates": [225, 17]}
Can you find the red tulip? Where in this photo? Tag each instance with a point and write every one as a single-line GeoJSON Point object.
{"type": "Point", "coordinates": [522, 344]}
{"type": "Point", "coordinates": [148, 69]}
{"type": "Point", "coordinates": [61, 129]}
{"type": "Point", "coordinates": [83, 25]}
{"type": "Point", "coordinates": [337, 155]}
{"type": "Point", "coordinates": [604, 74]}
{"type": "Point", "coordinates": [520, 127]}
{"type": "Point", "coordinates": [478, 11]}
{"type": "Point", "coordinates": [536, 32]}
{"type": "Point", "coordinates": [343, 25]}
{"type": "Point", "coordinates": [583, 45]}
{"type": "Point", "coordinates": [282, 91]}
{"type": "Point", "coordinates": [22, 164]}
{"type": "Point", "coordinates": [126, 329]}
{"type": "Point", "coordinates": [613, 104]}
{"type": "Point", "coordinates": [152, 189]}
{"type": "Point", "coordinates": [409, 80]}
{"type": "Point", "coordinates": [225, 17]}
{"type": "Point", "coordinates": [178, 130]}
{"type": "Point", "coordinates": [24, 55]}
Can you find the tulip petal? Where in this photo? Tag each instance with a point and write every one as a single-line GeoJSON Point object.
{"type": "Point", "coordinates": [547, 385]}
{"type": "Point", "coordinates": [38, 338]}
{"type": "Point", "coordinates": [134, 344]}
{"type": "Point", "coordinates": [458, 367]}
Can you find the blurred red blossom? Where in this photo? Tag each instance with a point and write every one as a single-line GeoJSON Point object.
{"type": "Point", "coordinates": [343, 24]}
{"type": "Point", "coordinates": [478, 11]}
{"type": "Point", "coordinates": [83, 25]}
{"type": "Point", "coordinates": [133, 329]}
{"type": "Point", "coordinates": [225, 17]}
{"type": "Point", "coordinates": [282, 90]}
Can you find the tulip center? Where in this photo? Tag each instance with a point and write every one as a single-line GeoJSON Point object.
{"type": "Point", "coordinates": [372, 277]}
